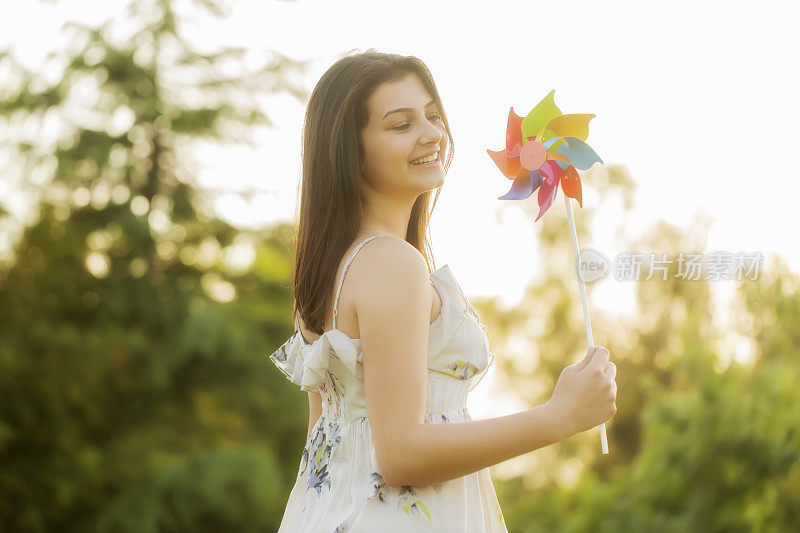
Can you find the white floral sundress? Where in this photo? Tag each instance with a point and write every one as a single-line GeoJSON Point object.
{"type": "Point", "coordinates": [339, 487]}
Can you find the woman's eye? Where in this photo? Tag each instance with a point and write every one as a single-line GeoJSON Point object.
{"type": "Point", "coordinates": [435, 116]}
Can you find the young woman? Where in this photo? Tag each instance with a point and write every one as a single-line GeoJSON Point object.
{"type": "Point", "coordinates": [386, 348]}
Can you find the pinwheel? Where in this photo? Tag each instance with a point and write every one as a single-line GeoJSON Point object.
{"type": "Point", "coordinates": [542, 150]}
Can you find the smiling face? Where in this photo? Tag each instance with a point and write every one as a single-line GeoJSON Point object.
{"type": "Point", "coordinates": [404, 124]}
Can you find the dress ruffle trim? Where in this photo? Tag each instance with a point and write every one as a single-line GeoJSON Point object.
{"type": "Point", "coordinates": [307, 365]}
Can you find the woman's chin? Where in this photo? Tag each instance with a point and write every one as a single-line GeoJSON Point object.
{"type": "Point", "coordinates": [431, 180]}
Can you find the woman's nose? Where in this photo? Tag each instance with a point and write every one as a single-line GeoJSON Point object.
{"type": "Point", "coordinates": [432, 134]}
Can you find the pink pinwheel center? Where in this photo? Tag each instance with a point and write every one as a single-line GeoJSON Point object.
{"type": "Point", "coordinates": [533, 155]}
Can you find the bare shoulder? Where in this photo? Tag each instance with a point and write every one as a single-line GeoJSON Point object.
{"type": "Point", "coordinates": [391, 249]}
{"type": "Point", "coordinates": [389, 267]}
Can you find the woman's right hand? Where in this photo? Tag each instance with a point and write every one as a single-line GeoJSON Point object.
{"type": "Point", "coordinates": [586, 393]}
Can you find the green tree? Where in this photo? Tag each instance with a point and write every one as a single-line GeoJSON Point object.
{"type": "Point", "coordinates": [134, 389]}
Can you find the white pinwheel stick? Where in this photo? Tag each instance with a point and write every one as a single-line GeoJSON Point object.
{"type": "Point", "coordinates": [582, 285]}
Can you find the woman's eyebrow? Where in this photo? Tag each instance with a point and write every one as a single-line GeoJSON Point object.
{"type": "Point", "coordinates": [401, 109]}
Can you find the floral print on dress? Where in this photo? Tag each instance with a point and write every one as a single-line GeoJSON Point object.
{"type": "Point", "coordinates": [406, 497]}
{"type": "Point", "coordinates": [442, 417]}
{"type": "Point", "coordinates": [460, 369]}
{"type": "Point", "coordinates": [326, 435]}
{"type": "Point", "coordinates": [333, 395]}
{"type": "Point", "coordinates": [414, 507]}
{"type": "Point", "coordinates": [378, 488]}
{"type": "Point", "coordinates": [317, 455]}
{"type": "Point", "coordinates": [282, 354]}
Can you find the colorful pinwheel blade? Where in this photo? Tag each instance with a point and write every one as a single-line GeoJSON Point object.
{"type": "Point", "coordinates": [547, 193]}
{"type": "Point", "coordinates": [569, 125]}
{"type": "Point", "coordinates": [550, 143]}
{"type": "Point", "coordinates": [545, 111]}
{"type": "Point", "coordinates": [557, 157]}
{"type": "Point", "coordinates": [536, 179]}
{"type": "Point", "coordinates": [579, 153]}
{"type": "Point", "coordinates": [571, 184]}
{"type": "Point", "coordinates": [523, 187]}
{"type": "Point", "coordinates": [513, 133]}
{"type": "Point", "coordinates": [509, 166]}
{"type": "Point", "coordinates": [552, 170]}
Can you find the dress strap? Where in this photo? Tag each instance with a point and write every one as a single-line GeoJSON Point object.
{"type": "Point", "coordinates": [346, 268]}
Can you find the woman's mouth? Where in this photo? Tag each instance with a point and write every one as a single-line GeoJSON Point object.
{"type": "Point", "coordinates": [426, 162]}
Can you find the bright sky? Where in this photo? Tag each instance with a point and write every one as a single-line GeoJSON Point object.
{"type": "Point", "coordinates": [683, 91]}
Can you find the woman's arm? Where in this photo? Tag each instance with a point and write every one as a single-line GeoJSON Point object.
{"type": "Point", "coordinates": [314, 409]}
{"type": "Point", "coordinates": [393, 309]}
{"type": "Point", "coordinates": [431, 453]}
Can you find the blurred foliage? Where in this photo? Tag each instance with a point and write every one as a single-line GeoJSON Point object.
{"type": "Point", "coordinates": [134, 389]}
{"type": "Point", "coordinates": [700, 442]}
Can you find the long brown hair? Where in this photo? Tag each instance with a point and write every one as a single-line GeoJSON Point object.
{"type": "Point", "coordinates": [330, 207]}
